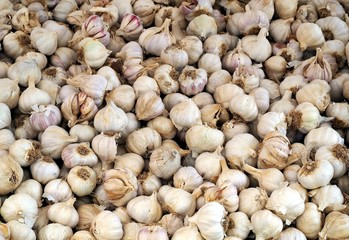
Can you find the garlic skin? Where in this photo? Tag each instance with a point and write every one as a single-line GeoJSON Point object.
{"type": "Point", "coordinates": [149, 106]}
{"type": "Point", "coordinates": [322, 136]}
{"type": "Point", "coordinates": [315, 174]}
{"type": "Point", "coordinates": [145, 209]}
{"type": "Point", "coordinates": [11, 92]}
{"type": "Point", "coordinates": [87, 212]}
{"type": "Point", "coordinates": [252, 200]}
{"type": "Point", "coordinates": [238, 178]}
{"type": "Point", "coordinates": [328, 198]}
{"type": "Point", "coordinates": [82, 180]}
{"type": "Point", "coordinates": [64, 213]}
{"type": "Point", "coordinates": [57, 190]}
{"type": "Point", "coordinates": [337, 155]}
{"type": "Point", "coordinates": [192, 80]}
{"type": "Point", "coordinates": [265, 216]}
{"type": "Point", "coordinates": [340, 112]}
{"type": "Point", "coordinates": [54, 230]}
{"type": "Point", "coordinates": [78, 154]}
{"type": "Point", "coordinates": [271, 121]}
{"type": "Point", "coordinates": [292, 232]}
{"type": "Point", "coordinates": [21, 207]}
{"type": "Point", "coordinates": [93, 52]}
{"type": "Point", "coordinates": [198, 141]}
{"type": "Point", "coordinates": [130, 160]}
{"type": "Point", "coordinates": [107, 226]}
{"type": "Point", "coordinates": [105, 146]}
{"type": "Point", "coordinates": [209, 219]}
{"type": "Point", "coordinates": [310, 36]}
{"type": "Point", "coordinates": [20, 231]}
{"type": "Point", "coordinates": [123, 97]}
{"type": "Point", "coordinates": [6, 139]}
{"type": "Point", "coordinates": [208, 164]}
{"type": "Point", "coordinates": [148, 183]}
{"type": "Point", "coordinates": [196, 27]}
{"type": "Point", "coordinates": [84, 132]}
{"type": "Point", "coordinates": [46, 45]}
{"type": "Point", "coordinates": [335, 226]}
{"type": "Point", "coordinates": [334, 28]}
{"type": "Point", "coordinates": [176, 200]}
{"type": "Point", "coordinates": [189, 232]}
{"type": "Point", "coordinates": [152, 232]}
{"type": "Point", "coordinates": [82, 235]}
{"type": "Point", "coordinates": [225, 92]}
{"type": "Point", "coordinates": [310, 221]}
{"type": "Point", "coordinates": [244, 106]}
{"type": "Point", "coordinates": [44, 116]}
{"type": "Point", "coordinates": [185, 115]}
{"type": "Point", "coordinates": [11, 174]}
{"type": "Point", "coordinates": [31, 187]}
{"type": "Point", "coordinates": [187, 178]}
{"type": "Point", "coordinates": [286, 10]}
{"type": "Point", "coordinates": [239, 225]}
{"type": "Point", "coordinates": [251, 43]}
{"type": "Point", "coordinates": [164, 162]}
{"type": "Point", "coordinates": [5, 119]}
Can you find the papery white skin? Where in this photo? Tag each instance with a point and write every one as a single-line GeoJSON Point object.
{"type": "Point", "coordinates": [107, 226]}
{"type": "Point", "coordinates": [310, 36]}
{"type": "Point", "coordinates": [314, 219]}
{"type": "Point", "coordinates": [274, 224]}
{"type": "Point", "coordinates": [191, 232]}
{"type": "Point", "coordinates": [239, 225]}
{"type": "Point", "coordinates": [252, 200]}
{"type": "Point", "coordinates": [31, 187]}
{"type": "Point", "coordinates": [238, 178]}
{"type": "Point", "coordinates": [251, 43]}
{"type": "Point", "coordinates": [53, 230]}
{"type": "Point", "coordinates": [335, 226]}
{"type": "Point", "coordinates": [171, 222]}
{"type": "Point", "coordinates": [322, 136]}
{"type": "Point", "coordinates": [20, 231]}
{"type": "Point", "coordinates": [78, 154]}
{"type": "Point", "coordinates": [188, 109]}
{"type": "Point", "coordinates": [64, 213]}
{"type": "Point", "coordinates": [57, 190]}
{"type": "Point", "coordinates": [225, 92]}
{"type": "Point", "coordinates": [5, 119]}
{"type": "Point", "coordinates": [208, 164]}
{"type": "Point", "coordinates": [328, 198]}
{"type": "Point", "coordinates": [82, 180]}
{"type": "Point", "coordinates": [337, 155]}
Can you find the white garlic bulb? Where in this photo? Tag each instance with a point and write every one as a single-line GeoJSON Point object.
{"type": "Point", "coordinates": [64, 213]}
{"type": "Point", "coordinates": [257, 47]}
{"type": "Point", "coordinates": [11, 174]}
{"type": "Point", "coordinates": [208, 164]}
{"type": "Point", "coordinates": [187, 232]}
{"type": "Point", "coordinates": [335, 226]}
{"type": "Point", "coordinates": [337, 155]}
{"type": "Point", "coordinates": [310, 36]}
{"type": "Point", "coordinates": [328, 198]}
{"type": "Point", "coordinates": [266, 224]}
{"type": "Point", "coordinates": [152, 232]}
{"type": "Point", "coordinates": [238, 178]}
{"type": "Point", "coordinates": [31, 187]}
{"type": "Point", "coordinates": [239, 225]}
{"type": "Point", "coordinates": [55, 230]}
{"type": "Point", "coordinates": [82, 180]}
{"type": "Point", "coordinates": [314, 174]}
{"type": "Point", "coordinates": [107, 226]}
{"type": "Point", "coordinates": [322, 136]}
{"type": "Point", "coordinates": [130, 160]}
{"type": "Point", "coordinates": [171, 223]}
{"type": "Point", "coordinates": [187, 178]}
{"type": "Point", "coordinates": [290, 233]}
{"type": "Point", "coordinates": [11, 92]}
{"type": "Point", "coordinates": [202, 26]}
{"type": "Point", "coordinates": [78, 154]}
{"type": "Point", "coordinates": [209, 220]}
{"type": "Point", "coordinates": [310, 221]}
{"type": "Point", "coordinates": [57, 190]}
{"type": "Point", "coordinates": [244, 106]}
{"type": "Point", "coordinates": [44, 170]}
{"type": "Point", "coordinates": [252, 200]}
{"type": "Point", "coordinates": [151, 140]}
{"type": "Point", "coordinates": [20, 231]}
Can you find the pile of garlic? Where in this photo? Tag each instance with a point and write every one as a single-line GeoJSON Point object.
{"type": "Point", "coordinates": [181, 119]}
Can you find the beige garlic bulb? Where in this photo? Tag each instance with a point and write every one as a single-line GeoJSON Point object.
{"type": "Point", "coordinates": [334, 28]}
{"type": "Point", "coordinates": [82, 180]}
{"type": "Point", "coordinates": [57, 190]}
{"type": "Point", "coordinates": [79, 235]}
{"type": "Point", "coordinates": [46, 45]}
{"type": "Point", "coordinates": [187, 232]}
{"type": "Point", "coordinates": [292, 232]}
{"type": "Point", "coordinates": [122, 214]}
{"type": "Point", "coordinates": [93, 52]}
{"type": "Point", "coordinates": [291, 172]}
{"type": "Point", "coordinates": [263, 218]}
{"type": "Point", "coordinates": [176, 200]}
{"type": "Point", "coordinates": [175, 56]}
{"type": "Point", "coordinates": [163, 126]}
{"type": "Point", "coordinates": [209, 219]}
{"type": "Point", "coordinates": [253, 44]}
{"type": "Point", "coordinates": [130, 160]}
{"type": "Point", "coordinates": [244, 106]}
{"type": "Point", "coordinates": [144, 84]}
{"type": "Point", "coordinates": [238, 178]}
{"type": "Point", "coordinates": [286, 10]}
{"type": "Point", "coordinates": [202, 26]}
{"type": "Point", "coordinates": [105, 146]}
{"type": "Point", "coordinates": [107, 226]}
{"type": "Point", "coordinates": [185, 115]}
{"type": "Point", "coordinates": [310, 221]}
{"type": "Point", "coordinates": [164, 162]}
{"type": "Point", "coordinates": [187, 178]}
{"type": "Point", "coordinates": [20, 231]}
{"type": "Point", "coordinates": [340, 112]}
{"type": "Point", "coordinates": [171, 223]}
{"type": "Point", "coordinates": [6, 139]}
{"type": "Point", "coordinates": [208, 164]}
{"type": "Point", "coordinates": [64, 213]}
{"type": "Point", "coordinates": [120, 185]}
{"type": "Point", "coordinates": [194, 48]}
{"type": "Point", "coordinates": [76, 154]}
{"type": "Point", "coordinates": [322, 136]}
{"type": "Point", "coordinates": [5, 119]}
{"type": "Point", "coordinates": [149, 106]}
{"type": "Point", "coordinates": [261, 96]}
{"type": "Point", "coordinates": [25, 152]}
{"type": "Point", "coordinates": [239, 225]}
{"type": "Point", "coordinates": [300, 189]}
{"type": "Point", "coordinates": [225, 92]}
{"type": "Point", "coordinates": [234, 127]}
{"type": "Point", "coordinates": [83, 131]}
{"type": "Point", "coordinates": [310, 36]}
{"type": "Point", "coordinates": [11, 92]}
{"type": "Point", "coordinates": [11, 174]}
{"type": "Point", "coordinates": [16, 44]}
{"type": "Point", "coordinates": [102, 118]}
{"type": "Point", "coordinates": [151, 140]}
{"type": "Point", "coordinates": [31, 187]}
{"type": "Point", "coordinates": [166, 77]}
{"type": "Point", "coordinates": [226, 194]}
{"type": "Point", "coordinates": [152, 232]}
{"type": "Point", "coordinates": [335, 226]}
{"type": "Point", "coordinates": [198, 142]}
{"type": "Point", "coordinates": [145, 209]}
{"type": "Point", "coordinates": [192, 80]}
{"type": "Point", "coordinates": [148, 183]}
{"type": "Point", "coordinates": [87, 212]}
{"type": "Point", "coordinates": [285, 105]}
{"type": "Point", "coordinates": [328, 198]}
{"type": "Point", "coordinates": [271, 121]}
{"type": "Point", "coordinates": [217, 79]}
{"type": "Point", "coordinates": [123, 97]}
{"type": "Point", "coordinates": [252, 200]}
{"type": "Point", "coordinates": [21, 207]}
{"type": "Point", "coordinates": [54, 230]}
{"type": "Point", "coordinates": [44, 170]}
{"type": "Point", "coordinates": [210, 62]}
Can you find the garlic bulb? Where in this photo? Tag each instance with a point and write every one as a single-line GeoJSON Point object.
{"type": "Point", "coordinates": [130, 230]}
{"type": "Point", "coordinates": [11, 92]}
{"type": "Point", "coordinates": [252, 200]}
{"type": "Point", "coordinates": [208, 164]}
{"type": "Point", "coordinates": [198, 141]}
{"type": "Point", "coordinates": [87, 212]}
{"type": "Point", "coordinates": [54, 230]}
{"type": "Point", "coordinates": [225, 92]}
{"type": "Point", "coordinates": [44, 170]}
{"type": "Point", "coordinates": [152, 232]}
{"type": "Point", "coordinates": [315, 174]}
{"type": "Point", "coordinates": [187, 178]}
{"type": "Point", "coordinates": [102, 118]}
{"type": "Point", "coordinates": [6, 139]}
{"type": "Point", "coordinates": [334, 28]}
{"type": "Point", "coordinates": [21, 207]}
{"type": "Point", "coordinates": [11, 174]}
{"type": "Point", "coordinates": [337, 155]}
{"type": "Point", "coordinates": [268, 179]}
{"type": "Point", "coordinates": [120, 185]}
{"type": "Point", "coordinates": [145, 209]}
{"type": "Point", "coordinates": [271, 121]}
{"type": "Point", "coordinates": [266, 6]}
{"type": "Point", "coordinates": [163, 126]}
{"type": "Point", "coordinates": [82, 180]}
{"type": "Point", "coordinates": [209, 219]}
{"type": "Point", "coordinates": [239, 225]}
{"type": "Point", "coordinates": [164, 162]}
{"type": "Point", "coordinates": [148, 183]}
{"type": "Point", "coordinates": [132, 161]}
{"type": "Point", "coordinates": [20, 231]}
{"type": "Point", "coordinates": [64, 213]}
{"type": "Point", "coordinates": [123, 97]}
{"type": "Point", "coordinates": [150, 141]}
{"type": "Point", "coordinates": [25, 152]}
{"type": "Point", "coordinates": [310, 36]}
{"type": "Point", "coordinates": [196, 26]}
{"type": "Point", "coordinates": [310, 221]}
{"type": "Point", "coordinates": [171, 223]}
{"type": "Point", "coordinates": [5, 119]}
{"type": "Point", "coordinates": [322, 136]}
{"type": "Point", "coordinates": [286, 9]}
{"type": "Point", "coordinates": [185, 115]}
{"type": "Point", "coordinates": [84, 132]}
{"type": "Point", "coordinates": [244, 106]}
{"type": "Point", "coordinates": [82, 235]}
{"type": "Point", "coordinates": [46, 45]}
{"type": "Point", "coordinates": [187, 232]}
{"type": "Point", "coordinates": [257, 47]}
{"type": "Point", "coordinates": [192, 80]}
{"type": "Point", "coordinates": [263, 218]}
{"type": "Point", "coordinates": [328, 198]}
{"type": "Point", "coordinates": [237, 177]}
{"type": "Point", "coordinates": [107, 226]}
{"type": "Point", "coordinates": [335, 226]}
{"type": "Point", "coordinates": [78, 154]}
{"type": "Point", "coordinates": [31, 187]}
{"type": "Point", "coordinates": [290, 233]}
{"type": "Point", "coordinates": [93, 52]}
{"type": "Point", "coordinates": [149, 106]}
{"type": "Point", "coordinates": [57, 190]}
{"type": "Point", "coordinates": [105, 146]}
{"type": "Point", "coordinates": [340, 112]}
{"type": "Point", "coordinates": [176, 200]}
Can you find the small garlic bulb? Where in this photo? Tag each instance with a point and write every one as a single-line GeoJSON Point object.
{"type": "Point", "coordinates": [328, 198]}
{"type": "Point", "coordinates": [176, 200]}
{"type": "Point", "coordinates": [310, 221]}
{"type": "Point", "coordinates": [44, 170]}
{"type": "Point", "coordinates": [291, 233]}
{"type": "Point", "coordinates": [149, 106]}
{"type": "Point", "coordinates": [132, 161]}
{"type": "Point", "coordinates": [76, 154]}
{"type": "Point", "coordinates": [198, 142]}
{"type": "Point", "coordinates": [185, 115]}
{"type": "Point", "coordinates": [79, 235]}
{"type": "Point", "coordinates": [21, 207]}
{"type": "Point", "coordinates": [187, 232]}
{"type": "Point", "coordinates": [209, 219]}
{"type": "Point", "coordinates": [194, 48]}
{"type": "Point", "coordinates": [55, 230]}
{"type": "Point", "coordinates": [310, 36]}
{"type": "Point", "coordinates": [145, 209]}
{"type": "Point", "coordinates": [10, 93]}
{"type": "Point", "coordinates": [151, 140]}
{"type": "Point", "coordinates": [337, 155]}
{"type": "Point", "coordinates": [244, 106]}
{"type": "Point", "coordinates": [335, 226]}
{"type": "Point", "coordinates": [239, 225]}
{"type": "Point", "coordinates": [20, 230]}
{"type": "Point", "coordinates": [322, 136]}
{"type": "Point", "coordinates": [271, 121]}
{"type": "Point", "coordinates": [107, 226]}
{"type": "Point", "coordinates": [25, 152]}
{"type": "Point", "coordinates": [187, 178]}
{"type": "Point", "coordinates": [148, 183]}
{"type": "Point", "coordinates": [130, 230]}
{"type": "Point", "coordinates": [252, 200]}
{"type": "Point", "coordinates": [57, 190]}
{"type": "Point", "coordinates": [340, 112]}
{"type": "Point", "coordinates": [87, 212]}
{"type": "Point", "coordinates": [105, 146]}
{"type": "Point", "coordinates": [93, 52]}
{"type": "Point", "coordinates": [202, 26]}
{"type": "Point", "coordinates": [123, 96]}
{"type": "Point", "coordinates": [11, 174]}
{"type": "Point", "coordinates": [266, 224]}
{"type": "Point", "coordinates": [234, 127]}
{"type": "Point", "coordinates": [238, 178]}
{"type": "Point", "coordinates": [82, 180]}
{"type": "Point", "coordinates": [163, 126]}
{"type": "Point", "coordinates": [192, 80]}
{"type": "Point", "coordinates": [152, 232]}
{"type": "Point", "coordinates": [64, 213]}
{"type": "Point", "coordinates": [208, 164]}
{"type": "Point", "coordinates": [83, 131]}
{"type": "Point", "coordinates": [257, 47]}
{"type": "Point", "coordinates": [31, 187]}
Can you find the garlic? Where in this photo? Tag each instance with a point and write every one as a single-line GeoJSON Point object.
{"type": "Point", "coordinates": [111, 76]}
{"type": "Point", "coordinates": [78, 154]}
{"type": "Point", "coordinates": [57, 190]}
{"type": "Point", "coordinates": [194, 48]}
{"type": "Point", "coordinates": [166, 77]}
{"type": "Point", "coordinates": [242, 148]}
{"type": "Point", "coordinates": [214, 114]}
{"type": "Point", "coordinates": [145, 209]}
{"type": "Point", "coordinates": [144, 84]}
{"type": "Point", "coordinates": [102, 118]}
{"type": "Point", "coordinates": [87, 212]}
{"type": "Point", "coordinates": [187, 178]}
{"type": "Point", "coordinates": [29, 70]}
{"type": "Point", "coordinates": [185, 115]}
{"type": "Point", "coordinates": [6, 139]}
{"type": "Point", "coordinates": [11, 174]}
{"type": "Point", "coordinates": [238, 178]}
{"type": "Point", "coordinates": [291, 173]}
{"type": "Point", "coordinates": [5, 119]}
{"type": "Point", "coordinates": [261, 96]}
{"type": "Point", "coordinates": [130, 230]}
{"type": "Point", "coordinates": [175, 56]}
{"type": "Point", "coordinates": [164, 162]}
{"type": "Point", "coordinates": [152, 232]}
{"type": "Point", "coordinates": [187, 232]}
{"type": "Point", "coordinates": [54, 230]}
{"type": "Point", "coordinates": [322, 136]}
{"type": "Point", "coordinates": [25, 152]}
{"type": "Point", "coordinates": [64, 213]}
{"type": "Point", "coordinates": [285, 105]}
{"type": "Point", "coordinates": [93, 52]}
{"type": "Point", "coordinates": [234, 127]}
{"type": "Point", "coordinates": [46, 45]}
{"type": "Point", "coordinates": [292, 232]}
{"type": "Point", "coordinates": [44, 170]}
{"type": "Point", "coordinates": [272, 87]}
{"type": "Point", "coordinates": [151, 140]}
{"type": "Point", "coordinates": [21, 207]}
{"type": "Point", "coordinates": [11, 92]}
{"type": "Point", "coordinates": [219, 44]}
{"type": "Point", "coordinates": [130, 160]}
{"type": "Point", "coordinates": [286, 10]}
{"type": "Point", "coordinates": [63, 8]}
{"type": "Point", "coordinates": [251, 43]}
{"type": "Point", "coordinates": [239, 225]}
{"type": "Point", "coordinates": [268, 179]}
{"type": "Point", "coordinates": [149, 106]}
{"type": "Point", "coordinates": [310, 36]}
{"type": "Point", "coordinates": [82, 180]}
{"type": "Point", "coordinates": [44, 116]}
{"type": "Point", "coordinates": [24, 20]}
{"type": "Point", "coordinates": [20, 231]}
{"type": "Point", "coordinates": [83, 235]}
{"type": "Point", "coordinates": [202, 26]}
{"type": "Point", "coordinates": [274, 224]}
{"type": "Point", "coordinates": [217, 79]}
{"type": "Point", "coordinates": [120, 185]}
{"type": "Point", "coordinates": [64, 57]}
{"type": "Point", "coordinates": [280, 29]}
{"type": "Point", "coordinates": [210, 63]}
{"type": "Point", "coordinates": [83, 131]}
{"type": "Point", "coordinates": [31, 187]}
{"type": "Point", "coordinates": [209, 219]}
{"type": "Point", "coordinates": [225, 92]}
{"type": "Point", "coordinates": [271, 121]}
{"type": "Point", "coordinates": [163, 126]}
{"type": "Point", "coordinates": [335, 226]}
{"type": "Point", "coordinates": [244, 106]}
{"type": "Point", "coordinates": [252, 200]}
{"type": "Point", "coordinates": [176, 200]}
{"type": "Point", "coordinates": [328, 198]}
{"type": "Point", "coordinates": [16, 44]}
{"type": "Point", "coordinates": [23, 128]}
{"type": "Point", "coordinates": [171, 223]}
{"type": "Point", "coordinates": [310, 221]}
{"type": "Point", "coordinates": [64, 33]}
{"type": "Point", "coordinates": [148, 183]}
{"type": "Point", "coordinates": [340, 112]}
{"type": "Point", "coordinates": [105, 146]}
{"type": "Point", "coordinates": [208, 164]}
{"type": "Point", "coordinates": [192, 80]}
{"type": "Point", "coordinates": [153, 35]}
{"type": "Point", "coordinates": [106, 225]}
